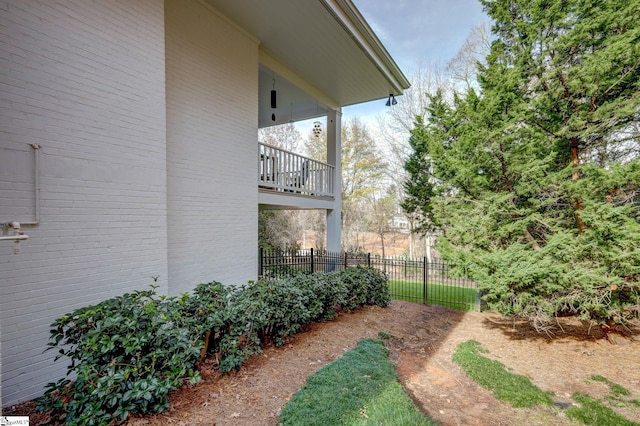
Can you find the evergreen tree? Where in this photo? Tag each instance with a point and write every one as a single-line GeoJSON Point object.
{"type": "Point", "coordinates": [534, 180]}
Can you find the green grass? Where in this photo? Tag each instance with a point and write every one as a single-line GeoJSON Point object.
{"type": "Point", "coordinates": [519, 390]}
{"type": "Point", "coordinates": [493, 375]}
{"type": "Point", "coordinates": [451, 296]}
{"type": "Point", "coordinates": [616, 389]}
{"type": "Point", "coordinates": [592, 412]}
{"type": "Point", "coordinates": [360, 388]}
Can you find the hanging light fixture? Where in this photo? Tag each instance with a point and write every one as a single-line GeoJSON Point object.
{"type": "Point", "coordinates": [317, 129]}
{"type": "Point", "coordinates": [273, 100]}
{"type": "Point", "coordinates": [273, 94]}
{"type": "Point", "coordinates": [317, 126]}
{"type": "Point", "coordinates": [391, 100]}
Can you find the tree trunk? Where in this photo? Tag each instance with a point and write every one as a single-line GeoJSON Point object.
{"type": "Point", "coordinates": [411, 243]}
{"type": "Point", "coordinates": [205, 346]}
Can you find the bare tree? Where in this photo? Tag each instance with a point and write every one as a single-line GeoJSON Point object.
{"type": "Point", "coordinates": [285, 136]}
{"type": "Point", "coordinates": [463, 68]}
{"type": "Point", "coordinates": [399, 119]}
{"type": "Point", "coordinates": [395, 125]}
{"type": "Point", "coordinates": [382, 208]}
{"type": "Point", "coordinates": [363, 167]}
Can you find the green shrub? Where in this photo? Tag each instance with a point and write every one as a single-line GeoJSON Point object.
{"type": "Point", "coordinates": [362, 286]}
{"type": "Point", "coordinates": [323, 294]}
{"type": "Point", "coordinates": [377, 287]}
{"type": "Point", "coordinates": [265, 312]}
{"type": "Point", "coordinates": [205, 308]}
{"type": "Point", "coordinates": [284, 271]}
{"type": "Point", "coordinates": [128, 352]}
{"type": "Point", "coordinates": [245, 314]}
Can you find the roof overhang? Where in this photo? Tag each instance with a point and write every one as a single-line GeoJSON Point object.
{"type": "Point", "coordinates": [321, 53]}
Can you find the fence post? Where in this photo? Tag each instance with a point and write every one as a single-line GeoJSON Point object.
{"type": "Point", "coordinates": [345, 260]}
{"type": "Point", "coordinates": [369, 260]}
{"type": "Point", "coordinates": [425, 265]}
{"type": "Point", "coordinates": [260, 265]}
{"type": "Point", "coordinates": [312, 265]}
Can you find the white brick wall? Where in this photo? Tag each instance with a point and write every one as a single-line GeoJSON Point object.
{"type": "Point", "coordinates": [85, 80]}
{"type": "Point", "coordinates": [135, 181]}
{"type": "Point", "coordinates": [212, 120]}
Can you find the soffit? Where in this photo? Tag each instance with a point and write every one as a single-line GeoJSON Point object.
{"type": "Point", "coordinates": [325, 42]}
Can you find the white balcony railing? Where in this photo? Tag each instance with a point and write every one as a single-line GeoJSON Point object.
{"type": "Point", "coordinates": [284, 171]}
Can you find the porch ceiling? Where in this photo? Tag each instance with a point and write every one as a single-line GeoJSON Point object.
{"type": "Point", "coordinates": [326, 43]}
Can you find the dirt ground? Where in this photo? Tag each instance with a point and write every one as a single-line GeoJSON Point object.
{"type": "Point", "coordinates": [425, 339]}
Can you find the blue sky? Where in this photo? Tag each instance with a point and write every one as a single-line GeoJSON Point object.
{"type": "Point", "coordinates": [430, 31]}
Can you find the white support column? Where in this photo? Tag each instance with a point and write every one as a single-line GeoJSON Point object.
{"type": "Point", "coordinates": [0, 370]}
{"type": "Point", "coordinates": [334, 151]}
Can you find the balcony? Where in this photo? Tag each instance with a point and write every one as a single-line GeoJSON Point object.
{"type": "Point", "coordinates": [281, 171]}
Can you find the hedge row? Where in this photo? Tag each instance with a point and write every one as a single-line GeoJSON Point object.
{"type": "Point", "coordinates": [127, 353]}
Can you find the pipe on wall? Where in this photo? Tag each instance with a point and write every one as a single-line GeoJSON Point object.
{"type": "Point", "coordinates": [16, 237]}
{"type": "Point", "coordinates": [17, 234]}
{"type": "Point", "coordinates": [36, 220]}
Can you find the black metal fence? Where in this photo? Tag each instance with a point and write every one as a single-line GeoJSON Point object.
{"type": "Point", "coordinates": [413, 280]}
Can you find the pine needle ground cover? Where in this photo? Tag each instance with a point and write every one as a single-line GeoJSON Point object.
{"type": "Point", "coordinates": [520, 392]}
{"type": "Point", "coordinates": [361, 388]}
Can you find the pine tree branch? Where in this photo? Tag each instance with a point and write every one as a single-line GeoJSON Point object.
{"type": "Point", "coordinates": [529, 238]}
{"type": "Point", "coordinates": [622, 77]}
{"type": "Point", "coordinates": [543, 128]}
